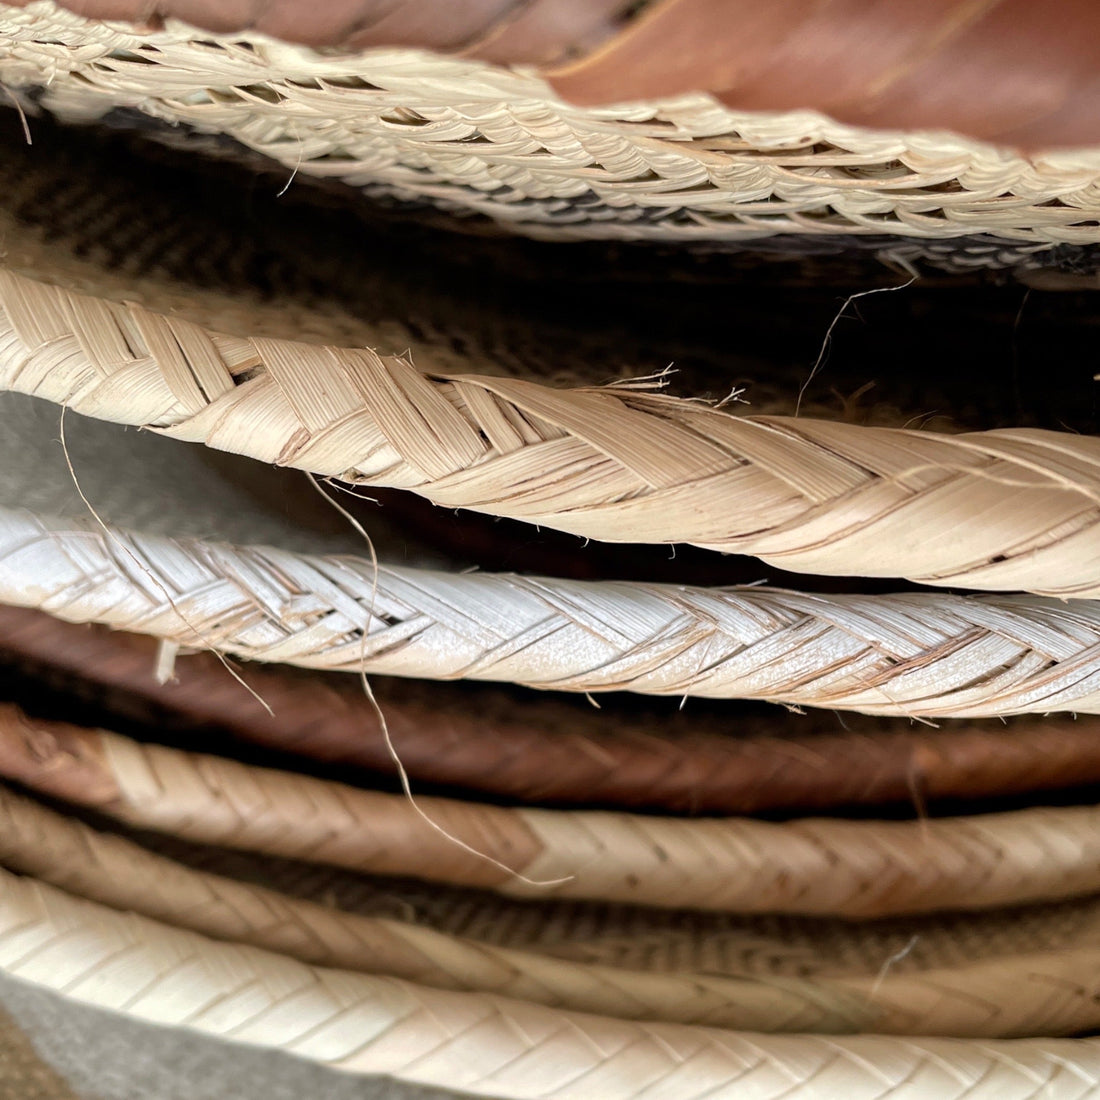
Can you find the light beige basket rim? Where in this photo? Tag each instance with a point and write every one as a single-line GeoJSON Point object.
{"type": "Point", "coordinates": [358, 134]}
{"type": "Point", "coordinates": [617, 464]}
{"type": "Point", "coordinates": [487, 1045]}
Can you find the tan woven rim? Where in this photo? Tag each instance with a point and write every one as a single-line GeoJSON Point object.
{"type": "Point", "coordinates": [1007, 510]}
{"type": "Point", "coordinates": [1001, 69]}
{"type": "Point", "coordinates": [483, 1044]}
{"type": "Point", "coordinates": [1005, 997]}
{"type": "Point", "coordinates": [807, 866]}
{"type": "Point", "coordinates": [1027, 995]}
{"type": "Point", "coordinates": [472, 137]}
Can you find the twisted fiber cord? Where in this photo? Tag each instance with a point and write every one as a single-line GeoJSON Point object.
{"type": "Point", "coordinates": [918, 654]}
{"type": "Point", "coordinates": [473, 137]}
{"type": "Point", "coordinates": [484, 1044]}
{"type": "Point", "coordinates": [1008, 509]}
{"type": "Point", "coordinates": [550, 753]}
{"type": "Point", "coordinates": [808, 866]}
{"type": "Point", "coordinates": [1028, 995]}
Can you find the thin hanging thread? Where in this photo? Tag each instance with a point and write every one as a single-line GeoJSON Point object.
{"type": "Point", "coordinates": [149, 573]}
{"type": "Point", "coordinates": [829, 332]}
{"type": "Point", "coordinates": [391, 749]}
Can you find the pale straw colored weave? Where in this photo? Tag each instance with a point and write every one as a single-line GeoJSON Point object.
{"type": "Point", "coordinates": [484, 1044]}
{"type": "Point", "coordinates": [1001, 510]}
{"type": "Point", "coordinates": [806, 866]}
{"type": "Point", "coordinates": [911, 654]}
{"type": "Point", "coordinates": [999, 997]}
{"type": "Point", "coordinates": [661, 940]}
{"type": "Point", "coordinates": [1007, 509]}
{"type": "Point", "coordinates": [473, 138]}
{"type": "Point", "coordinates": [116, 218]}
{"type": "Point", "coordinates": [1002, 997]}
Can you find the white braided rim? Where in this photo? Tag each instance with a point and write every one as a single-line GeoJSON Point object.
{"type": "Point", "coordinates": [914, 654]}
{"type": "Point", "coordinates": [824, 866]}
{"type": "Point", "coordinates": [1047, 993]}
{"type": "Point", "coordinates": [471, 137]}
{"type": "Point", "coordinates": [484, 1044]}
{"type": "Point", "coordinates": [564, 751]}
{"type": "Point", "coordinates": [1009, 509]}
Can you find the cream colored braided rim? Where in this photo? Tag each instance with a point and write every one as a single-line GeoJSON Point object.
{"type": "Point", "coordinates": [483, 1043]}
{"type": "Point", "coordinates": [1047, 993]}
{"type": "Point", "coordinates": [474, 138]}
{"type": "Point", "coordinates": [1002, 510]}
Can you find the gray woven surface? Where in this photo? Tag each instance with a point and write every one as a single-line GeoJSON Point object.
{"type": "Point", "coordinates": [129, 476]}
{"type": "Point", "coordinates": [108, 1057]}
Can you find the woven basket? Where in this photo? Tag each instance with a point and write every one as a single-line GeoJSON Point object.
{"type": "Point", "coordinates": [474, 138]}
{"type": "Point", "coordinates": [442, 345]}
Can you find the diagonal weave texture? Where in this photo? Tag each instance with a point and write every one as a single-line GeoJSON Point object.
{"type": "Point", "coordinates": [1003, 68]}
{"type": "Point", "coordinates": [916, 654]}
{"type": "Point", "coordinates": [484, 1044]}
{"type": "Point", "coordinates": [1008, 509]}
{"type": "Point", "coordinates": [731, 764]}
{"type": "Point", "coordinates": [806, 866]}
{"type": "Point", "coordinates": [1048, 993]}
{"type": "Point", "coordinates": [472, 137]}
{"type": "Point", "coordinates": [656, 940]}
{"type": "Point", "coordinates": [1005, 997]}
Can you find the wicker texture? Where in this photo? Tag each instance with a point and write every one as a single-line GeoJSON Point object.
{"type": "Point", "coordinates": [729, 764]}
{"type": "Point", "coordinates": [1005, 997]}
{"type": "Point", "coordinates": [1002, 511]}
{"type": "Point", "coordinates": [475, 138]}
{"type": "Point", "coordinates": [808, 866]}
{"type": "Point", "coordinates": [483, 1044]}
{"type": "Point", "coordinates": [1003, 68]}
{"type": "Point", "coordinates": [656, 940]}
{"type": "Point", "coordinates": [994, 510]}
{"type": "Point", "coordinates": [918, 654]}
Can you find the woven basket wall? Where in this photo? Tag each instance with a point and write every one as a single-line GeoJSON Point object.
{"type": "Point", "coordinates": [528, 571]}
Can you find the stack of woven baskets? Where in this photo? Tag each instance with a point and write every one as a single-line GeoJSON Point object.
{"type": "Point", "coordinates": [804, 804]}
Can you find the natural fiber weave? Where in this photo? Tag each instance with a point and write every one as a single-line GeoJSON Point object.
{"type": "Point", "coordinates": [655, 940]}
{"type": "Point", "coordinates": [1003, 69]}
{"type": "Point", "coordinates": [852, 869]}
{"type": "Point", "coordinates": [729, 764]}
{"type": "Point", "coordinates": [1009, 510]}
{"type": "Point", "coordinates": [915, 654]}
{"type": "Point", "coordinates": [484, 1044]}
{"type": "Point", "coordinates": [1028, 995]}
{"type": "Point", "coordinates": [106, 215]}
{"type": "Point", "coordinates": [993, 510]}
{"type": "Point", "coordinates": [983, 999]}
{"type": "Point", "coordinates": [471, 137]}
